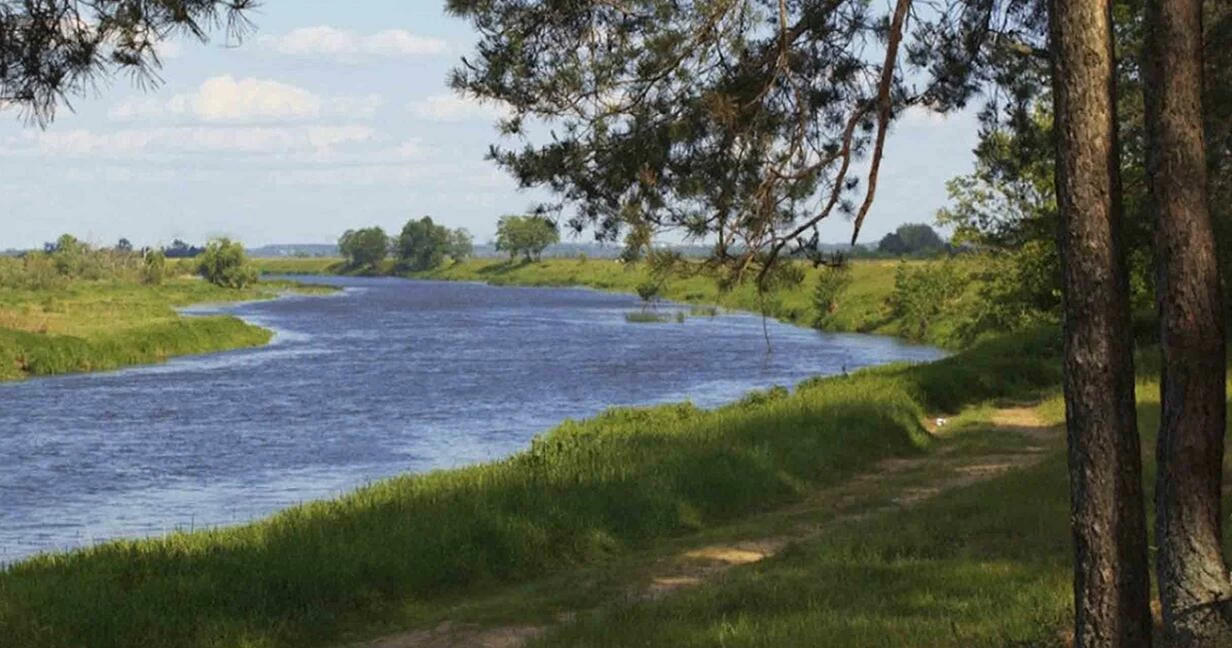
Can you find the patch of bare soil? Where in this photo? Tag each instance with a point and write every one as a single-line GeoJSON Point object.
{"type": "Point", "coordinates": [448, 635]}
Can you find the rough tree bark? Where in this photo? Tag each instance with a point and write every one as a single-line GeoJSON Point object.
{"type": "Point", "coordinates": [1111, 575]}
{"type": "Point", "coordinates": [1193, 578]}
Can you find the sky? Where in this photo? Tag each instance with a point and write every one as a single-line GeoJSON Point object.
{"type": "Point", "coordinates": [333, 115]}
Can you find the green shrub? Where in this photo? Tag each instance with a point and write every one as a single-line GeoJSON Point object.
{"type": "Point", "coordinates": [154, 269]}
{"type": "Point", "coordinates": [922, 293]}
{"type": "Point", "coordinates": [34, 271]}
{"type": "Point", "coordinates": [648, 291]}
{"type": "Point", "coordinates": [832, 282]}
{"type": "Point", "coordinates": [225, 264]}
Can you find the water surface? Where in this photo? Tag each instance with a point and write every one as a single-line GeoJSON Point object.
{"type": "Point", "coordinates": [387, 377]}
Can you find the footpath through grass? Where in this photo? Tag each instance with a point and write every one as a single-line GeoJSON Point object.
{"type": "Point", "coordinates": [989, 565]}
{"type": "Point", "coordinates": [584, 494]}
{"type": "Point", "coordinates": [100, 325]}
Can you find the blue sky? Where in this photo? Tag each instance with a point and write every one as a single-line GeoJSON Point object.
{"type": "Point", "coordinates": [334, 115]}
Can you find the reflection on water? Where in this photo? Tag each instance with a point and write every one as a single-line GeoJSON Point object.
{"type": "Point", "coordinates": [388, 377]}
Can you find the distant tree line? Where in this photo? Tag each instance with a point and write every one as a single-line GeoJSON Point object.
{"type": "Point", "coordinates": [421, 245]}
{"type": "Point", "coordinates": [223, 262]}
{"type": "Point", "coordinates": [913, 239]}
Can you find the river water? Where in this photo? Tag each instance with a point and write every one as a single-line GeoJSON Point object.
{"type": "Point", "coordinates": [387, 377]}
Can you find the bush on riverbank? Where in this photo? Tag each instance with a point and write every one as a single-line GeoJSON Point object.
{"type": "Point", "coordinates": [581, 493]}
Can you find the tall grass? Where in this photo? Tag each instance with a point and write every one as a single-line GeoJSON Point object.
{"type": "Point", "coordinates": [96, 325]}
{"type": "Point", "coordinates": [299, 265]}
{"type": "Point", "coordinates": [580, 493]}
{"type": "Point", "coordinates": [985, 566]}
{"type": "Point", "coordinates": [32, 354]}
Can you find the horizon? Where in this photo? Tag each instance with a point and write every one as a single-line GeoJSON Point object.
{"type": "Point", "coordinates": [328, 119]}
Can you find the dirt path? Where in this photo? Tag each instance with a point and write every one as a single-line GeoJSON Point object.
{"type": "Point", "coordinates": [892, 484]}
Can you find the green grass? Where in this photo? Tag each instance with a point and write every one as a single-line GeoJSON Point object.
{"type": "Point", "coordinates": [989, 565]}
{"type": "Point", "coordinates": [647, 317]}
{"type": "Point", "coordinates": [586, 493]}
{"type": "Point", "coordinates": [298, 265]}
{"type": "Point", "coordinates": [101, 325]}
{"type": "Point", "coordinates": [862, 309]}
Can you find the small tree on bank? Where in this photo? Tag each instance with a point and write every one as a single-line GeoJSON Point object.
{"type": "Point", "coordinates": [461, 245]}
{"type": "Point", "coordinates": [225, 264]}
{"type": "Point", "coordinates": [364, 247]}
{"type": "Point", "coordinates": [528, 236]}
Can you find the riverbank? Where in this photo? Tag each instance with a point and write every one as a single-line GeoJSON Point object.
{"type": "Point", "coordinates": [584, 496]}
{"type": "Point", "coordinates": [865, 306]}
{"type": "Point", "coordinates": [84, 326]}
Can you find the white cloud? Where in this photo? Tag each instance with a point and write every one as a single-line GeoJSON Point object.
{"type": "Point", "coordinates": [324, 40]}
{"type": "Point", "coordinates": [227, 99]}
{"type": "Point", "coordinates": [452, 108]}
{"type": "Point", "coordinates": [154, 142]}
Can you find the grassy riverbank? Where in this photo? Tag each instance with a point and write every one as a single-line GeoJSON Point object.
{"type": "Point", "coordinates": [586, 494]}
{"type": "Point", "coordinates": [83, 326]}
{"type": "Point", "coordinates": [864, 307]}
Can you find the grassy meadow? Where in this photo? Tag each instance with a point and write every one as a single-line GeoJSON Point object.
{"type": "Point", "coordinates": [585, 495]}
{"type": "Point", "coordinates": [92, 325]}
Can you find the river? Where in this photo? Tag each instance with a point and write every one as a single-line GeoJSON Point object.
{"type": "Point", "coordinates": [386, 377]}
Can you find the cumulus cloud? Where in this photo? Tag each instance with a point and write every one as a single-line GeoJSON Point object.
{"type": "Point", "coordinates": [227, 99]}
{"type": "Point", "coordinates": [153, 142]}
{"type": "Point", "coordinates": [324, 40]}
{"type": "Point", "coordinates": [452, 108]}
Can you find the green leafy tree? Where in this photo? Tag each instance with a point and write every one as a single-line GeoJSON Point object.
{"type": "Point", "coordinates": [752, 153]}
{"type": "Point", "coordinates": [225, 263]}
{"type": "Point", "coordinates": [528, 236]}
{"type": "Point", "coordinates": [914, 239]}
{"type": "Point", "coordinates": [70, 254]}
{"type": "Point", "coordinates": [461, 245]}
{"type": "Point", "coordinates": [922, 293]}
{"type": "Point", "coordinates": [364, 247]}
{"type": "Point", "coordinates": [423, 244]}
{"type": "Point", "coordinates": [124, 246]}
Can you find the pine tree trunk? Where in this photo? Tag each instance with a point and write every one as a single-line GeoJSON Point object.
{"type": "Point", "coordinates": [1193, 577]}
{"type": "Point", "coordinates": [1111, 575]}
